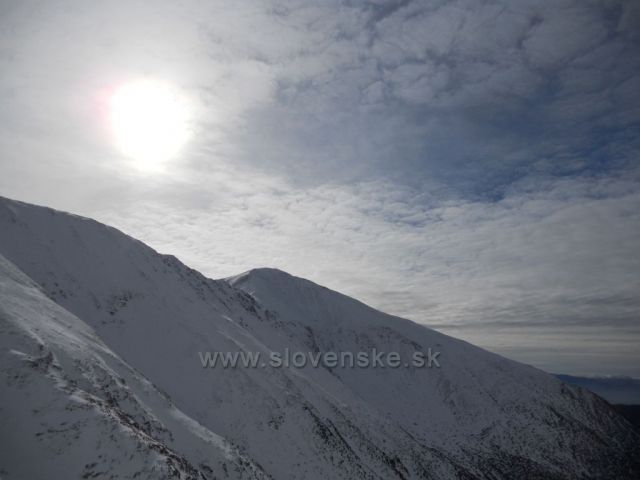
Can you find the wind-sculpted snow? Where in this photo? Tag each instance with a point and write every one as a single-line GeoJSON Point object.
{"type": "Point", "coordinates": [101, 372]}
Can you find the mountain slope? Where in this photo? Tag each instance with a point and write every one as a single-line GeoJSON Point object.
{"type": "Point", "coordinates": [478, 416]}
{"type": "Point", "coordinates": [476, 405]}
{"type": "Point", "coordinates": [72, 408]}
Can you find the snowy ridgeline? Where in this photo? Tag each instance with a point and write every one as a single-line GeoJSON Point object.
{"type": "Point", "coordinates": [101, 378]}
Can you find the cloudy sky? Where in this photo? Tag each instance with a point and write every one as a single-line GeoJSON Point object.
{"type": "Point", "coordinates": [471, 165]}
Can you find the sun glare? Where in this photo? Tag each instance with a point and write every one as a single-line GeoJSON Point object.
{"type": "Point", "coordinates": [150, 122]}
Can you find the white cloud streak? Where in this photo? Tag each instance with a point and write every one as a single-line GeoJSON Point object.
{"type": "Point", "coordinates": [557, 257]}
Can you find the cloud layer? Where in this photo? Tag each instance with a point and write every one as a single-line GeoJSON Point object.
{"type": "Point", "coordinates": [470, 165]}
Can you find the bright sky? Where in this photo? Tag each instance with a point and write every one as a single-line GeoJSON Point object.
{"type": "Point", "coordinates": [473, 166]}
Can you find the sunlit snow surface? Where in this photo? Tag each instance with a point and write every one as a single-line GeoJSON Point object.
{"type": "Point", "coordinates": [100, 375]}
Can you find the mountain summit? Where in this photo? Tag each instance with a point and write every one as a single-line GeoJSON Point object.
{"type": "Point", "coordinates": [102, 343]}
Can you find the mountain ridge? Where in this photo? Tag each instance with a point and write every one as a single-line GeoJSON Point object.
{"type": "Point", "coordinates": [478, 416]}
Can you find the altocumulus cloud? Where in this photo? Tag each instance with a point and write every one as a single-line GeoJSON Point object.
{"type": "Point", "coordinates": [556, 260]}
{"type": "Point", "coordinates": [470, 165]}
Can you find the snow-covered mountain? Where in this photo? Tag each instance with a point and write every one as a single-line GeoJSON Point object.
{"type": "Point", "coordinates": [102, 376]}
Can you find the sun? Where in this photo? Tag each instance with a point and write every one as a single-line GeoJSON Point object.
{"type": "Point", "coordinates": [149, 120]}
